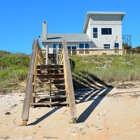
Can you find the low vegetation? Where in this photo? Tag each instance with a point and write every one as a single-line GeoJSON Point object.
{"type": "Point", "coordinates": [13, 69]}
{"type": "Point", "coordinates": [105, 68]}
{"type": "Point", "coordinates": [86, 70]}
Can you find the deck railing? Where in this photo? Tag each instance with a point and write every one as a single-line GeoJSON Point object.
{"type": "Point", "coordinates": [90, 51]}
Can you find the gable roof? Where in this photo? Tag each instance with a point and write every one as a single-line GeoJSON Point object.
{"type": "Point", "coordinates": [68, 37]}
{"type": "Point", "coordinates": [100, 13]}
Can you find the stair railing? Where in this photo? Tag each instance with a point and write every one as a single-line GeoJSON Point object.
{"type": "Point", "coordinates": [36, 58]}
{"type": "Point", "coordinates": [64, 59]}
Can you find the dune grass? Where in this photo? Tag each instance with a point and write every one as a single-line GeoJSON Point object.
{"type": "Point", "coordinates": [85, 69]}
{"type": "Point", "coordinates": [107, 68]}
{"type": "Point", "coordinates": [13, 68]}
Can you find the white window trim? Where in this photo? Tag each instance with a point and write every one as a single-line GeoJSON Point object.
{"type": "Point", "coordinates": [83, 48]}
{"type": "Point", "coordinates": [71, 48]}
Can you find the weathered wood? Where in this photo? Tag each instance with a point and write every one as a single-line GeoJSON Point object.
{"type": "Point", "coordinates": [54, 79]}
{"type": "Point", "coordinates": [40, 53]}
{"type": "Point", "coordinates": [51, 103]}
{"type": "Point", "coordinates": [47, 74]}
{"type": "Point", "coordinates": [68, 81]}
{"type": "Point", "coordinates": [55, 97]}
{"type": "Point", "coordinates": [26, 105]}
{"type": "Point", "coordinates": [32, 100]}
{"type": "Point", "coordinates": [24, 123]}
{"type": "Point", "coordinates": [57, 84]}
{"type": "Point", "coordinates": [47, 52]}
{"type": "Point", "coordinates": [39, 90]}
{"type": "Point", "coordinates": [31, 79]}
{"type": "Point", "coordinates": [52, 74]}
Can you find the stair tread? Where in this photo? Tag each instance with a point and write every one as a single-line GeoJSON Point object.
{"type": "Point", "coordinates": [49, 90]}
{"type": "Point", "coordinates": [50, 69]}
{"type": "Point", "coordinates": [50, 74]}
{"type": "Point", "coordinates": [53, 84]}
{"type": "Point", "coordinates": [50, 103]}
{"type": "Point", "coordinates": [51, 78]}
{"type": "Point", "coordinates": [51, 65]}
{"type": "Point", "coordinates": [53, 96]}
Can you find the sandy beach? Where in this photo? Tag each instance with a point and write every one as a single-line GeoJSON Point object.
{"type": "Point", "coordinates": [102, 114]}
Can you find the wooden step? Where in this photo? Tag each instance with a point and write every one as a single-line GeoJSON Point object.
{"type": "Point", "coordinates": [39, 90]}
{"type": "Point", "coordinates": [53, 66]}
{"type": "Point", "coordinates": [54, 79]}
{"type": "Point", "coordinates": [51, 103]}
{"type": "Point", "coordinates": [48, 74]}
{"type": "Point", "coordinates": [52, 69]}
{"type": "Point", "coordinates": [48, 84]}
{"type": "Point", "coordinates": [50, 97]}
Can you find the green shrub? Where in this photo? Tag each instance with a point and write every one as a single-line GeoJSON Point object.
{"type": "Point", "coordinates": [13, 68]}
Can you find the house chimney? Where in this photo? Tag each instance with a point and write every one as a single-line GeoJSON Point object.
{"type": "Point", "coordinates": [44, 30]}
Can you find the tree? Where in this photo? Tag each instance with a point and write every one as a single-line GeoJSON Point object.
{"type": "Point", "coordinates": [126, 46]}
{"type": "Point", "coordinates": [138, 47]}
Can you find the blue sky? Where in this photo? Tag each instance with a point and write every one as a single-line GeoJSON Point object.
{"type": "Point", "coordinates": [21, 20]}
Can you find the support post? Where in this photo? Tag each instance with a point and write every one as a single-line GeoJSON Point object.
{"type": "Point", "coordinates": [47, 52]}
{"type": "Point", "coordinates": [57, 54]}
{"type": "Point", "coordinates": [69, 82]}
{"type": "Point", "coordinates": [26, 103]}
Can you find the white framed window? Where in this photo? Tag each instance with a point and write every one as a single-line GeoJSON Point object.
{"type": "Point", "coordinates": [72, 49]}
{"type": "Point", "coordinates": [83, 47]}
{"type": "Point", "coordinates": [95, 32]}
{"type": "Point", "coordinates": [106, 31]}
{"type": "Point", "coordinates": [116, 45]}
{"type": "Point", "coordinates": [56, 46]}
{"type": "Point", "coordinates": [106, 46]}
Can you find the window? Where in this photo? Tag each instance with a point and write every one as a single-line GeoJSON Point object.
{"type": "Point", "coordinates": [81, 46]}
{"type": "Point", "coordinates": [60, 46]}
{"type": "Point", "coordinates": [106, 31]}
{"type": "Point", "coordinates": [69, 47]}
{"type": "Point", "coordinates": [106, 46]}
{"type": "Point", "coordinates": [95, 32]}
{"type": "Point", "coordinates": [116, 45]}
{"type": "Point", "coordinates": [54, 46]}
{"type": "Point", "coordinates": [73, 47]}
{"type": "Point", "coordinates": [86, 45]}
{"type": "Point", "coordinates": [57, 46]}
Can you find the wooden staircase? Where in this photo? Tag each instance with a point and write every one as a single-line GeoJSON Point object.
{"type": "Point", "coordinates": [49, 84]}
{"type": "Point", "coordinates": [49, 88]}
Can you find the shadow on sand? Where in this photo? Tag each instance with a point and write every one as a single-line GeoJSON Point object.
{"type": "Point", "coordinates": [94, 90]}
{"type": "Point", "coordinates": [45, 116]}
{"type": "Point", "coordinates": [96, 97]}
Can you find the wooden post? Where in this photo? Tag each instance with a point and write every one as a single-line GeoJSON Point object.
{"type": "Point", "coordinates": [47, 52]}
{"type": "Point", "coordinates": [26, 105]}
{"type": "Point", "coordinates": [57, 54]}
{"type": "Point", "coordinates": [69, 82]}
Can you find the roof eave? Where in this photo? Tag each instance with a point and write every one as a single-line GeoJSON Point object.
{"type": "Point", "coordinates": [122, 14]}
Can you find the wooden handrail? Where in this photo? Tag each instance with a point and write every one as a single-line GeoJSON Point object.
{"type": "Point", "coordinates": [64, 59]}
{"type": "Point", "coordinates": [36, 58]}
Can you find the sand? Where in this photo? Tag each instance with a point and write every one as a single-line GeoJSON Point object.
{"type": "Point", "coordinates": [103, 114]}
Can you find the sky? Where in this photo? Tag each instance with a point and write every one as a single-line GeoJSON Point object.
{"type": "Point", "coordinates": [21, 20]}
